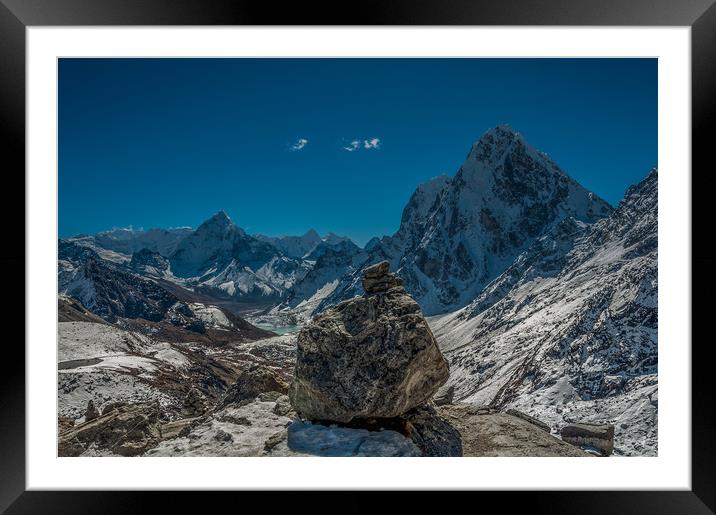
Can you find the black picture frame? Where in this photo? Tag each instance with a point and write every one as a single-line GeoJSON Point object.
{"type": "Point", "coordinates": [700, 15]}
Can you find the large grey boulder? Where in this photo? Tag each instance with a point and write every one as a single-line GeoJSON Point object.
{"type": "Point", "coordinates": [369, 357]}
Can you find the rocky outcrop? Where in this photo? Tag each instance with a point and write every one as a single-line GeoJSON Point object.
{"type": "Point", "coordinates": [64, 424]}
{"type": "Point", "coordinates": [484, 432]}
{"type": "Point", "coordinates": [107, 408]}
{"type": "Point", "coordinates": [433, 434]}
{"type": "Point", "coordinates": [72, 310]}
{"type": "Point", "coordinates": [127, 430]}
{"type": "Point", "coordinates": [598, 436]}
{"type": "Point", "coordinates": [252, 382]}
{"type": "Point", "coordinates": [194, 403]}
{"type": "Point", "coordinates": [149, 263]}
{"type": "Point", "coordinates": [373, 356]}
{"type": "Point", "coordinates": [377, 279]}
{"type": "Point", "coordinates": [91, 412]}
{"type": "Point", "coordinates": [445, 395]}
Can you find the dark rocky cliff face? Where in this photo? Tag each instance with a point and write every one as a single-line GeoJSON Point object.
{"type": "Point", "coordinates": [148, 262]}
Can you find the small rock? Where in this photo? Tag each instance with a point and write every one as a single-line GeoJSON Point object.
{"type": "Point", "coordinates": [269, 396]}
{"type": "Point", "coordinates": [91, 412]}
{"type": "Point", "coordinates": [174, 428]}
{"type": "Point", "coordinates": [194, 403]}
{"type": "Point", "coordinates": [223, 436]}
{"type": "Point", "coordinates": [231, 419]}
{"type": "Point", "coordinates": [445, 395]}
{"type": "Point", "coordinates": [275, 439]}
{"type": "Point", "coordinates": [252, 382]}
{"type": "Point", "coordinates": [377, 279]}
{"type": "Point", "coordinates": [283, 407]}
{"type": "Point", "coordinates": [654, 399]}
{"type": "Point", "coordinates": [112, 405]}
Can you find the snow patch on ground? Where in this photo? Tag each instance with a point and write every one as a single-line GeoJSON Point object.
{"type": "Point", "coordinates": [75, 388]}
{"type": "Point", "coordinates": [85, 340]}
{"type": "Point", "coordinates": [104, 363]}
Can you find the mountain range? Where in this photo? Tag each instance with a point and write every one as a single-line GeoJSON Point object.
{"type": "Point", "coordinates": [541, 295]}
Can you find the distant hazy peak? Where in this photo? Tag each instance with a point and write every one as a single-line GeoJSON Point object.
{"type": "Point", "coordinates": [333, 239]}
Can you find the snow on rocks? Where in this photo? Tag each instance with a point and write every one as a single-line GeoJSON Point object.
{"type": "Point", "coordinates": [75, 388]}
{"type": "Point", "coordinates": [212, 316]}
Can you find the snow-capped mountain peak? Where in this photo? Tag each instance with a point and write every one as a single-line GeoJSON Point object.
{"type": "Point", "coordinates": [494, 144]}
{"type": "Point", "coordinates": [220, 223]}
{"type": "Point", "coordinates": [458, 234]}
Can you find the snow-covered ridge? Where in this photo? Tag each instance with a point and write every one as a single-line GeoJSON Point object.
{"type": "Point", "coordinates": [569, 331]}
{"type": "Point", "coordinates": [219, 257]}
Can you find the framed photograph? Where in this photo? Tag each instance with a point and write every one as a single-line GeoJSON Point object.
{"type": "Point", "coordinates": [423, 247]}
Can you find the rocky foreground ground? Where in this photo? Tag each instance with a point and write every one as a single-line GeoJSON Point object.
{"type": "Point", "coordinates": [266, 425]}
{"type": "Point", "coordinates": [364, 379]}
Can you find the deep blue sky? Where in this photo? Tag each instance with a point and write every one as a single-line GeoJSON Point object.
{"type": "Point", "coordinates": [168, 142]}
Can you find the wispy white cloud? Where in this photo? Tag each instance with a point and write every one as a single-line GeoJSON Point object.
{"type": "Point", "coordinates": [302, 142]}
{"type": "Point", "coordinates": [367, 144]}
{"type": "Point", "coordinates": [353, 146]}
{"type": "Point", "coordinates": [371, 143]}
